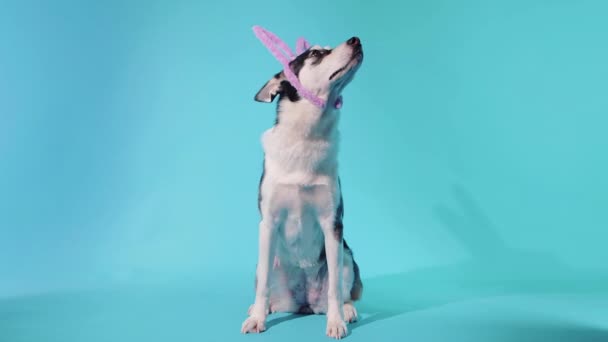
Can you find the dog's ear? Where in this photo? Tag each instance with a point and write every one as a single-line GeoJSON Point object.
{"type": "Point", "coordinates": [271, 89]}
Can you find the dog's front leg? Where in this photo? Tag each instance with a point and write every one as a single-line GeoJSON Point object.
{"type": "Point", "coordinates": [257, 318]}
{"type": "Point", "coordinates": [336, 327]}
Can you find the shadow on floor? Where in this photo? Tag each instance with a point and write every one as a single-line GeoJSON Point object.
{"type": "Point", "coordinates": [494, 269]}
{"type": "Point", "coordinates": [274, 321]}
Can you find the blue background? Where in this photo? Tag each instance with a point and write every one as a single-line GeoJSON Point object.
{"type": "Point", "coordinates": [473, 163]}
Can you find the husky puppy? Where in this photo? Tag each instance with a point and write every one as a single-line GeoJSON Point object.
{"type": "Point", "coordinates": [304, 264]}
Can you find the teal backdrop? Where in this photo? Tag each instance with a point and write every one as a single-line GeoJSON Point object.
{"type": "Point", "coordinates": [473, 161]}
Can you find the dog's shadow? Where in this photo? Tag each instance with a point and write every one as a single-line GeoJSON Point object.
{"type": "Point", "coordinates": [271, 323]}
{"type": "Point", "coordinates": [493, 268]}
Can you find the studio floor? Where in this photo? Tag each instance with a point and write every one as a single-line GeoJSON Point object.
{"type": "Point", "coordinates": [214, 313]}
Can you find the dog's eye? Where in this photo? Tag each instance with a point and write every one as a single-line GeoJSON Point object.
{"type": "Point", "coordinates": [315, 53]}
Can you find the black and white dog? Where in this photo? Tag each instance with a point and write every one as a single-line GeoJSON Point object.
{"type": "Point", "coordinates": [304, 264]}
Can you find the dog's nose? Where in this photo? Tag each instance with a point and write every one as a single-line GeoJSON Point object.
{"type": "Point", "coordinates": [353, 41]}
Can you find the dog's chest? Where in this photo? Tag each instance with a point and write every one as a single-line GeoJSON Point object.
{"type": "Point", "coordinates": [293, 156]}
{"type": "Point", "coordinates": [300, 237]}
{"type": "Point", "coordinates": [299, 189]}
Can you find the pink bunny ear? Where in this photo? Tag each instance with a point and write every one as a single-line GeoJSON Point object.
{"type": "Point", "coordinates": [301, 46]}
{"type": "Point", "coordinates": [277, 47]}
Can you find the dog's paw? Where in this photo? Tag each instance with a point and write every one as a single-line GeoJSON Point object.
{"type": "Point", "coordinates": [350, 313]}
{"type": "Point", "coordinates": [336, 328]}
{"type": "Point", "coordinates": [254, 324]}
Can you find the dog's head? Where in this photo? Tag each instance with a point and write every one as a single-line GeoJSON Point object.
{"type": "Point", "coordinates": [323, 71]}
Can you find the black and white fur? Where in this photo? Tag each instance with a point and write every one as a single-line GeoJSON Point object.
{"type": "Point", "coordinates": [304, 264]}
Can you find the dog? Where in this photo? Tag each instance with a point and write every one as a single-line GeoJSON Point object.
{"type": "Point", "coordinates": [304, 264]}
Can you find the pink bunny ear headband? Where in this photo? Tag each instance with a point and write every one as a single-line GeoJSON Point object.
{"type": "Point", "coordinates": [284, 55]}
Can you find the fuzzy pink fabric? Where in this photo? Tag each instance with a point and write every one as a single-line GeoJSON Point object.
{"type": "Point", "coordinates": [284, 55]}
{"type": "Point", "coordinates": [302, 45]}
